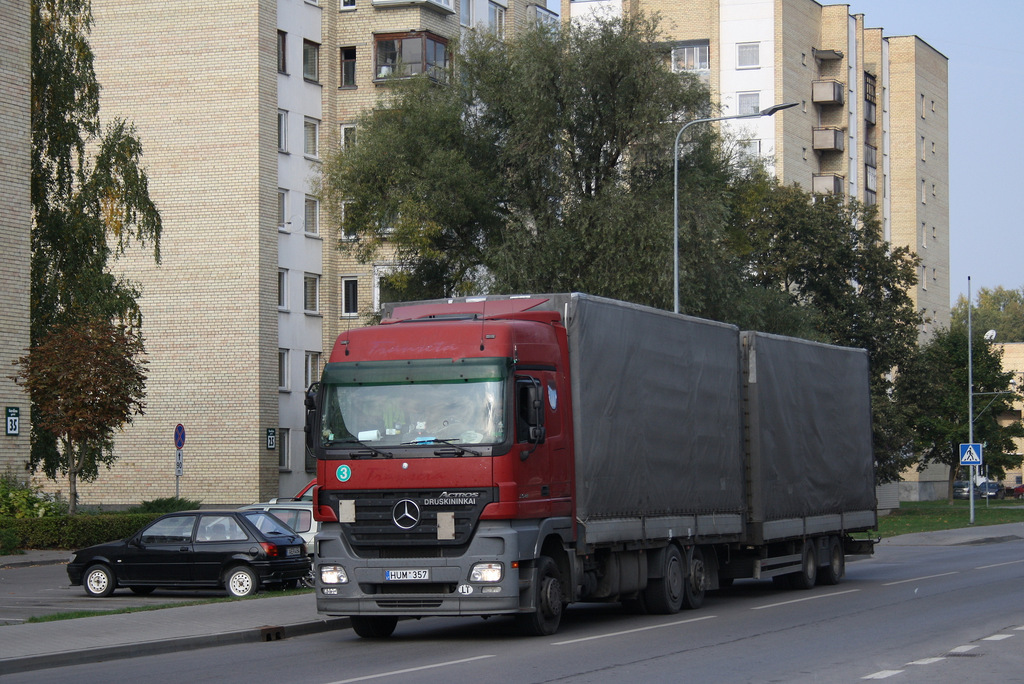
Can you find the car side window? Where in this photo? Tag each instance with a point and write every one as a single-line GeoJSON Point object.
{"type": "Point", "coordinates": [219, 528]}
{"type": "Point", "coordinates": [298, 520]}
{"type": "Point", "coordinates": [176, 530]}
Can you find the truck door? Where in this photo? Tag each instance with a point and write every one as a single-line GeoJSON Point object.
{"type": "Point", "coordinates": [540, 439]}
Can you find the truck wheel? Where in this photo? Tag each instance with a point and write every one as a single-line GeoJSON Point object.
{"type": "Point", "coordinates": [808, 568]}
{"type": "Point", "coordinates": [374, 626]}
{"type": "Point", "coordinates": [547, 592]}
{"type": "Point", "coordinates": [836, 567]}
{"type": "Point", "coordinates": [664, 596]}
{"type": "Point", "coordinates": [696, 585]}
{"type": "Point", "coordinates": [98, 581]}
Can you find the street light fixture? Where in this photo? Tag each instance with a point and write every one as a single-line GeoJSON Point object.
{"type": "Point", "coordinates": [768, 111]}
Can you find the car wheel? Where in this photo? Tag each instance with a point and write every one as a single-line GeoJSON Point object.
{"type": "Point", "coordinates": [142, 591]}
{"type": "Point", "coordinates": [99, 581]}
{"type": "Point", "coordinates": [241, 581]}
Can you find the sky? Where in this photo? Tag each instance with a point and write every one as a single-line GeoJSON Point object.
{"type": "Point", "coordinates": [981, 39]}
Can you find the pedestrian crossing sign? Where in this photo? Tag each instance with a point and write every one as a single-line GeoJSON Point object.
{"type": "Point", "coordinates": [970, 454]}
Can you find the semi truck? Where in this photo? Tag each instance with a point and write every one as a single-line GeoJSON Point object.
{"type": "Point", "coordinates": [512, 455]}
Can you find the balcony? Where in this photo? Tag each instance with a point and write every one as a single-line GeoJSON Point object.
{"type": "Point", "coordinates": [827, 92]}
{"type": "Point", "coordinates": [442, 6]}
{"type": "Point", "coordinates": [829, 139]}
{"type": "Point", "coordinates": [827, 184]}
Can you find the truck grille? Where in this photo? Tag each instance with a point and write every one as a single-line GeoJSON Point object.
{"type": "Point", "coordinates": [409, 519]}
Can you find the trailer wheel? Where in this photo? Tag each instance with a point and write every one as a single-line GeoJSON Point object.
{"type": "Point", "coordinates": [836, 567]}
{"type": "Point", "coordinates": [547, 593]}
{"type": "Point", "coordinates": [664, 596]}
{"type": "Point", "coordinates": [808, 568]}
{"type": "Point", "coordinates": [696, 585]}
{"type": "Point", "coordinates": [374, 626]}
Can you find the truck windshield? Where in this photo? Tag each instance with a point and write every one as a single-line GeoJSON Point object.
{"type": "Point", "coordinates": [388, 403]}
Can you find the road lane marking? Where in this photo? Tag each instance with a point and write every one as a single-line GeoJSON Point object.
{"type": "Point", "coordinates": [883, 674]}
{"type": "Point", "coordinates": [808, 598]}
{"type": "Point", "coordinates": [926, 661]}
{"type": "Point", "coordinates": [392, 673]}
{"type": "Point", "coordinates": [633, 631]}
{"type": "Point", "coordinates": [998, 565]}
{"type": "Point", "coordinates": [998, 637]}
{"type": "Point", "coordinates": [918, 579]}
{"type": "Point", "coordinates": [964, 649]}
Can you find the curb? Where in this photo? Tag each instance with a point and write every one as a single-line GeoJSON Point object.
{"type": "Point", "coordinates": [94, 655]}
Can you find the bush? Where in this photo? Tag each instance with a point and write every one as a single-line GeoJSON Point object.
{"type": "Point", "coordinates": [170, 504]}
{"type": "Point", "coordinates": [8, 542]}
{"type": "Point", "coordinates": [74, 531]}
{"type": "Point", "coordinates": [21, 500]}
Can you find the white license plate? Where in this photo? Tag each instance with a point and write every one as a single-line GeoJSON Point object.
{"type": "Point", "coordinates": [406, 575]}
{"type": "Point", "coordinates": [293, 551]}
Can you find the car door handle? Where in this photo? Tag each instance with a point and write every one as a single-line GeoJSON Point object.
{"type": "Point", "coordinates": [183, 548]}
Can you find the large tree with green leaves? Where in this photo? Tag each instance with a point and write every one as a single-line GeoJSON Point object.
{"type": "Point", "coordinates": [544, 164]}
{"type": "Point", "coordinates": [934, 383]}
{"type": "Point", "coordinates": [996, 309]}
{"type": "Point", "coordinates": [91, 201]}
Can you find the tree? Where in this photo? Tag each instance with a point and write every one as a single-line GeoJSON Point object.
{"type": "Point", "coordinates": [997, 309]}
{"type": "Point", "coordinates": [934, 383]}
{"type": "Point", "coordinates": [91, 201]}
{"type": "Point", "coordinates": [543, 165]}
{"type": "Point", "coordinates": [828, 255]}
{"type": "Point", "coordinates": [86, 381]}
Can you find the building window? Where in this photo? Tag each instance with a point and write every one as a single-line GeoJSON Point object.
{"type": "Point", "coordinates": [749, 149]}
{"type": "Point", "coordinates": [311, 61]}
{"type": "Point", "coordinates": [283, 452]}
{"type": "Point", "coordinates": [748, 55]}
{"type": "Point", "coordinates": [347, 234]}
{"type": "Point", "coordinates": [405, 55]}
{"type": "Point", "coordinates": [496, 19]}
{"type": "Point", "coordinates": [312, 368]}
{"type": "Point", "coordinates": [348, 4]}
{"type": "Point", "coordinates": [282, 61]}
{"type": "Point", "coordinates": [348, 67]}
{"type": "Point", "coordinates": [311, 293]}
{"type": "Point", "coordinates": [924, 192]}
{"type": "Point", "coordinates": [282, 289]}
{"type": "Point", "coordinates": [383, 292]}
{"type": "Point", "coordinates": [311, 138]}
{"type": "Point", "coordinates": [282, 370]}
{"type": "Point", "coordinates": [282, 130]}
{"type": "Point", "coordinates": [748, 103]}
{"type": "Point", "coordinates": [282, 209]}
{"type": "Point", "coordinates": [690, 58]}
{"type": "Point", "coordinates": [466, 12]}
{"type": "Point", "coordinates": [312, 215]}
{"type": "Point", "coordinates": [349, 297]}
{"type": "Point", "coordinates": [348, 135]}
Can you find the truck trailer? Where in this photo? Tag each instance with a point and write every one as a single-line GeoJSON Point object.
{"type": "Point", "coordinates": [512, 455]}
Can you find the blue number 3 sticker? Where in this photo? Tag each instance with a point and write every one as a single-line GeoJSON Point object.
{"type": "Point", "coordinates": [344, 473]}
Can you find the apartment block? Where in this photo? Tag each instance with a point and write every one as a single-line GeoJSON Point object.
{"type": "Point", "coordinates": [872, 116]}
{"type": "Point", "coordinates": [15, 229]}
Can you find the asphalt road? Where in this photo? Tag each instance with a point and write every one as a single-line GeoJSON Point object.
{"type": "Point", "coordinates": [911, 614]}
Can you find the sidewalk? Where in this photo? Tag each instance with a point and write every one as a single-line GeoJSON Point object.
{"type": "Point", "coordinates": [106, 637]}
{"type": "Point", "coordinates": [86, 640]}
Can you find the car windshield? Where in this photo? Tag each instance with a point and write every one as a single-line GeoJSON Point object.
{"type": "Point", "coordinates": [268, 524]}
{"type": "Point", "coordinates": [414, 402]}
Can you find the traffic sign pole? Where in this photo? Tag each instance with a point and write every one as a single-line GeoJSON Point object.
{"type": "Point", "coordinates": [179, 456]}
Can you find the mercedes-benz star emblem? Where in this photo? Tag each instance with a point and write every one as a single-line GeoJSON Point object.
{"type": "Point", "coordinates": [406, 514]}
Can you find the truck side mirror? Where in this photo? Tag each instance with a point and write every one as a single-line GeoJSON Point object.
{"type": "Point", "coordinates": [531, 411]}
{"type": "Point", "coordinates": [311, 411]}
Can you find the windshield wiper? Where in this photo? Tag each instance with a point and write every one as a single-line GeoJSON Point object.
{"type": "Point", "coordinates": [450, 442]}
{"type": "Point", "coordinates": [385, 454]}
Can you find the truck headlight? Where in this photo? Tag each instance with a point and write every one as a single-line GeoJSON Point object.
{"type": "Point", "coordinates": [486, 572]}
{"type": "Point", "coordinates": [333, 574]}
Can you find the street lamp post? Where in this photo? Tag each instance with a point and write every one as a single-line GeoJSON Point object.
{"type": "Point", "coordinates": [768, 111]}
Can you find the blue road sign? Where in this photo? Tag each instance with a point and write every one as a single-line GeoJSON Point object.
{"type": "Point", "coordinates": [970, 454]}
{"type": "Point", "coordinates": [179, 436]}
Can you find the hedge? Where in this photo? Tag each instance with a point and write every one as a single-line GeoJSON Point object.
{"type": "Point", "coordinates": [75, 531]}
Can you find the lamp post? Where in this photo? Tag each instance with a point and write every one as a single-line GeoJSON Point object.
{"type": "Point", "coordinates": [768, 111]}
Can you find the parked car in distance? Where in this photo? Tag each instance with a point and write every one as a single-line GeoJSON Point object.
{"type": "Point", "coordinates": [1017, 492]}
{"type": "Point", "coordinates": [305, 494]}
{"type": "Point", "coordinates": [961, 489]}
{"type": "Point", "coordinates": [298, 515]}
{"type": "Point", "coordinates": [990, 490]}
{"type": "Point", "coordinates": [236, 550]}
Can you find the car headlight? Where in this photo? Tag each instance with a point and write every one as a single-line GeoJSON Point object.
{"type": "Point", "coordinates": [486, 572]}
{"type": "Point", "coordinates": [333, 574]}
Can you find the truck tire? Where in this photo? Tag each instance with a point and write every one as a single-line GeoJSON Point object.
{"type": "Point", "coordinates": [696, 585]}
{"type": "Point", "coordinates": [808, 574]}
{"type": "Point", "coordinates": [833, 571]}
{"type": "Point", "coordinates": [664, 595]}
{"type": "Point", "coordinates": [547, 595]}
{"type": "Point", "coordinates": [374, 626]}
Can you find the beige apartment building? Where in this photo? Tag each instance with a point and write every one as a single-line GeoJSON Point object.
{"type": "Point", "coordinates": [15, 229]}
{"type": "Point", "coordinates": [871, 119]}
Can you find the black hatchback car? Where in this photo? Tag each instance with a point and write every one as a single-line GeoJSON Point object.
{"type": "Point", "coordinates": [235, 550]}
